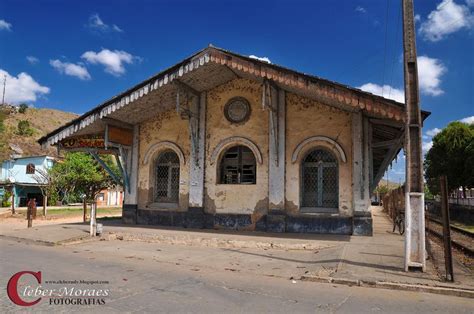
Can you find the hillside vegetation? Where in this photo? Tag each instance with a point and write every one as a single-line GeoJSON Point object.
{"type": "Point", "coordinates": [39, 123]}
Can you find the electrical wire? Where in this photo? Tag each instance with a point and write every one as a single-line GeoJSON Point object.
{"type": "Point", "coordinates": [385, 45]}
{"type": "Point", "coordinates": [394, 50]}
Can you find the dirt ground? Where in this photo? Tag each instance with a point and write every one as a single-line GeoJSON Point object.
{"type": "Point", "coordinates": [19, 222]}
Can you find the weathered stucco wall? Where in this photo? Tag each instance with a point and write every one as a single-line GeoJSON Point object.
{"type": "Point", "coordinates": [307, 118]}
{"type": "Point", "coordinates": [236, 199]}
{"type": "Point", "coordinates": [166, 126]}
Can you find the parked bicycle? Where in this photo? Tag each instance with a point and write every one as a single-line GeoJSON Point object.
{"type": "Point", "coordinates": [399, 222]}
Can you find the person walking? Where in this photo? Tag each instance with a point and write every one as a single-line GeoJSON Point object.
{"type": "Point", "coordinates": [29, 212]}
{"type": "Point", "coordinates": [34, 209]}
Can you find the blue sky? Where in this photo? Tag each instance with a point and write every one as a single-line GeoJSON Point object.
{"type": "Point", "coordinates": [72, 55]}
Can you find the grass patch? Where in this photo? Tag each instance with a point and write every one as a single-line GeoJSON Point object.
{"type": "Point", "coordinates": [78, 211]}
{"type": "Point", "coordinates": [469, 228]}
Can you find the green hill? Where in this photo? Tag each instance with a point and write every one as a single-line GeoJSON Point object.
{"type": "Point", "coordinates": [41, 121]}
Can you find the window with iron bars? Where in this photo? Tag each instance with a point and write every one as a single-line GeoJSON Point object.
{"type": "Point", "coordinates": [319, 184]}
{"type": "Point", "coordinates": [167, 178]}
{"type": "Point", "coordinates": [238, 166]}
{"type": "Point", "coordinates": [30, 169]}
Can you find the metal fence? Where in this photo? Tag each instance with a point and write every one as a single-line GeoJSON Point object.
{"type": "Point", "coordinates": [394, 202]}
{"type": "Point", "coordinates": [462, 201]}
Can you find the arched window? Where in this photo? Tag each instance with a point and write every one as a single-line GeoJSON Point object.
{"type": "Point", "coordinates": [30, 169]}
{"type": "Point", "coordinates": [238, 166]}
{"type": "Point", "coordinates": [167, 178]}
{"type": "Point", "coordinates": [319, 184]}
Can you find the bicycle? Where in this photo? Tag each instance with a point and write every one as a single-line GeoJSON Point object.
{"type": "Point", "coordinates": [399, 222]}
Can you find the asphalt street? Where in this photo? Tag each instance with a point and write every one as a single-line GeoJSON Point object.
{"type": "Point", "coordinates": [139, 280]}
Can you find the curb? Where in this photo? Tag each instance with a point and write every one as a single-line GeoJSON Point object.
{"type": "Point", "coordinates": [76, 240]}
{"type": "Point", "coordinates": [444, 290]}
{"type": "Point", "coordinates": [213, 242]}
{"type": "Point", "coordinates": [5, 214]}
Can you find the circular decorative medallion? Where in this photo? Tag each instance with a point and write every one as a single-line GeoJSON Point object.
{"type": "Point", "coordinates": [237, 110]}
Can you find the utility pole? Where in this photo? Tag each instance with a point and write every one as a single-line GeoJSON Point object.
{"type": "Point", "coordinates": [448, 257]}
{"type": "Point", "coordinates": [4, 85]}
{"type": "Point", "coordinates": [414, 192]}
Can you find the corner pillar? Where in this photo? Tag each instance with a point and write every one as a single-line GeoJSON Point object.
{"type": "Point", "coordinates": [130, 207]}
{"type": "Point", "coordinates": [197, 122]}
{"type": "Point", "coordinates": [361, 161]}
{"type": "Point", "coordinates": [276, 160]}
{"type": "Point", "coordinates": [274, 100]}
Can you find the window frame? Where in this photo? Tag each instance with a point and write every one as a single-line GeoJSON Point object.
{"type": "Point", "coordinates": [319, 209]}
{"type": "Point", "coordinates": [170, 166]}
{"type": "Point", "coordinates": [30, 168]}
{"type": "Point", "coordinates": [240, 166]}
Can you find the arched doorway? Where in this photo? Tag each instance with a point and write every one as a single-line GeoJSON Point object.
{"type": "Point", "coordinates": [319, 181]}
{"type": "Point", "coordinates": [167, 178]}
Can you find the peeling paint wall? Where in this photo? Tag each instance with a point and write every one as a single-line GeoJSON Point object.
{"type": "Point", "coordinates": [307, 118]}
{"type": "Point", "coordinates": [166, 126]}
{"type": "Point", "coordinates": [236, 199]}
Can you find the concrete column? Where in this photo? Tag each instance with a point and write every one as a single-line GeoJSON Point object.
{"type": "Point", "coordinates": [362, 220]}
{"type": "Point", "coordinates": [129, 211]}
{"type": "Point", "coordinates": [276, 159]}
{"type": "Point", "coordinates": [197, 159]}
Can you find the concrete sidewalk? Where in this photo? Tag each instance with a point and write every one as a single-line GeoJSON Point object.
{"type": "Point", "coordinates": [328, 258]}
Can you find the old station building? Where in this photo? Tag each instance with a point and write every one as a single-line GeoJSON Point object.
{"type": "Point", "coordinates": [221, 140]}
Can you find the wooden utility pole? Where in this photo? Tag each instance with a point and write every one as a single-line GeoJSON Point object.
{"type": "Point", "coordinates": [13, 200]}
{"type": "Point", "coordinates": [414, 193]}
{"type": "Point", "coordinates": [448, 257]}
{"type": "Point", "coordinates": [84, 210]}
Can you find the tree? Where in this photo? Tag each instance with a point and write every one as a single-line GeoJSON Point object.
{"type": "Point", "coordinates": [80, 174]}
{"type": "Point", "coordinates": [6, 199]}
{"type": "Point", "coordinates": [2, 123]}
{"type": "Point", "coordinates": [24, 128]}
{"type": "Point", "coordinates": [47, 185]}
{"type": "Point", "coordinates": [3, 139]}
{"type": "Point", "coordinates": [452, 155]}
{"type": "Point", "coordinates": [22, 108]}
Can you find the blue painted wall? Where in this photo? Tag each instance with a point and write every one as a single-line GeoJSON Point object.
{"type": "Point", "coordinates": [14, 171]}
{"type": "Point", "coordinates": [16, 168]}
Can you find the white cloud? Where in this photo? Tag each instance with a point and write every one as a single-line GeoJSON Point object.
{"type": "Point", "coordinates": [112, 60]}
{"type": "Point", "coordinates": [360, 9]}
{"type": "Point", "coordinates": [386, 91]}
{"type": "Point", "coordinates": [433, 132]}
{"type": "Point", "coordinates": [70, 69]}
{"type": "Point", "coordinates": [426, 146]}
{"type": "Point", "coordinates": [430, 71]}
{"type": "Point", "coordinates": [4, 25]}
{"type": "Point", "coordinates": [32, 59]}
{"type": "Point", "coordinates": [448, 18]}
{"type": "Point", "coordinates": [21, 88]}
{"type": "Point", "coordinates": [96, 23]}
{"type": "Point", "coordinates": [264, 59]}
{"type": "Point", "coordinates": [417, 18]}
{"type": "Point", "coordinates": [468, 120]}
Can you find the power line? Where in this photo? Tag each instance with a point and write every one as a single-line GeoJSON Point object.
{"type": "Point", "coordinates": [394, 50]}
{"type": "Point", "coordinates": [385, 45]}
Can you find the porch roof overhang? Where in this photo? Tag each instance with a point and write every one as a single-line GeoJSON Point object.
{"type": "Point", "coordinates": [212, 67]}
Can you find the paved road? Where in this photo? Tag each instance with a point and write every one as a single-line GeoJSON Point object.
{"type": "Point", "coordinates": [140, 283]}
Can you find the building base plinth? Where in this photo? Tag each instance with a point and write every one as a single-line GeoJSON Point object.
{"type": "Point", "coordinates": [278, 222]}
{"type": "Point", "coordinates": [362, 224]}
{"type": "Point", "coordinates": [129, 213]}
